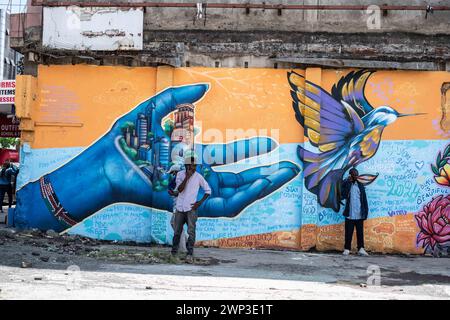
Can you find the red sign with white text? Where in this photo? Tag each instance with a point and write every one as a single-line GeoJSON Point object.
{"type": "Point", "coordinates": [7, 91]}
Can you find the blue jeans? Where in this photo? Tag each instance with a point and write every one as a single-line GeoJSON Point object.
{"type": "Point", "coordinates": [5, 189]}
{"type": "Point", "coordinates": [189, 217]}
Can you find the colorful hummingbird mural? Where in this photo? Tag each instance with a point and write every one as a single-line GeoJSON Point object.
{"type": "Point", "coordinates": [343, 129]}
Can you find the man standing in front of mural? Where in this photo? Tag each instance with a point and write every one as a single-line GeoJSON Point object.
{"type": "Point", "coordinates": [355, 212]}
{"type": "Point", "coordinates": [188, 183]}
{"type": "Point", "coordinates": [173, 171]}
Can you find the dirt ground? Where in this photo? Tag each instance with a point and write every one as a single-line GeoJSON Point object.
{"type": "Point", "coordinates": [36, 265]}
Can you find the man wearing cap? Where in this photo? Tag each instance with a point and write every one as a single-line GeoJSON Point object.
{"type": "Point", "coordinates": [188, 183]}
{"type": "Point", "coordinates": [174, 169]}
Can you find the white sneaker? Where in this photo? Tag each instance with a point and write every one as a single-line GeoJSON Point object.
{"type": "Point", "coordinates": [346, 252]}
{"type": "Point", "coordinates": [362, 252]}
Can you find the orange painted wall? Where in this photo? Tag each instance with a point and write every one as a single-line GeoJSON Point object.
{"type": "Point", "coordinates": [245, 99]}
{"type": "Point", "coordinates": [262, 95]}
{"type": "Point", "coordinates": [101, 93]}
{"type": "Point", "coordinates": [406, 92]}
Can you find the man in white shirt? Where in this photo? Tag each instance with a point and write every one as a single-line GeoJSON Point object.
{"type": "Point", "coordinates": [188, 183]}
{"type": "Point", "coordinates": [174, 169]}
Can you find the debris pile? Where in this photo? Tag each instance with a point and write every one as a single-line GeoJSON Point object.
{"type": "Point", "coordinates": [51, 247]}
{"type": "Point", "coordinates": [50, 241]}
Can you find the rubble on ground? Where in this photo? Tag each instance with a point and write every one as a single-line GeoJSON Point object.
{"type": "Point", "coordinates": [50, 241]}
{"type": "Point", "coordinates": [52, 247]}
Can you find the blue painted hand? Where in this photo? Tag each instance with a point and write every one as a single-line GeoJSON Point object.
{"type": "Point", "coordinates": [130, 164]}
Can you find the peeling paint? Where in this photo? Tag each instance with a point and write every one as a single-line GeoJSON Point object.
{"type": "Point", "coordinates": [109, 33]}
{"type": "Point", "coordinates": [445, 107]}
{"type": "Point", "coordinates": [78, 28]}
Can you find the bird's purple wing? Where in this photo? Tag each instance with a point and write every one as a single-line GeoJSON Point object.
{"type": "Point", "coordinates": [307, 112]}
{"type": "Point", "coordinates": [332, 123]}
{"type": "Point", "coordinates": [367, 179]}
{"type": "Point", "coordinates": [351, 90]}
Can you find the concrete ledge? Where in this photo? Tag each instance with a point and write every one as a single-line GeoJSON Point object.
{"type": "Point", "coordinates": [365, 64]}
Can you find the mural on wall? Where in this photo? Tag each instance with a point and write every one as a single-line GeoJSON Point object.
{"type": "Point", "coordinates": [130, 164]}
{"type": "Point", "coordinates": [344, 129]}
{"type": "Point", "coordinates": [103, 168]}
{"type": "Point", "coordinates": [442, 167]}
{"type": "Point", "coordinates": [434, 218]}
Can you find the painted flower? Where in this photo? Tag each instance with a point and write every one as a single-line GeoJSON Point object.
{"type": "Point", "coordinates": [444, 176]}
{"type": "Point", "coordinates": [434, 222]}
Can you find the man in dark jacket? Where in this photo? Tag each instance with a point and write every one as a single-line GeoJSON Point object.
{"type": "Point", "coordinates": [355, 212]}
{"type": "Point", "coordinates": [6, 180]}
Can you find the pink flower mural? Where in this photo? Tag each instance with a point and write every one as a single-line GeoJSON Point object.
{"type": "Point", "coordinates": [434, 223]}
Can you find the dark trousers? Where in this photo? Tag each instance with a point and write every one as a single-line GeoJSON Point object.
{"type": "Point", "coordinates": [6, 189]}
{"type": "Point", "coordinates": [190, 218]}
{"type": "Point", "coordinates": [349, 227]}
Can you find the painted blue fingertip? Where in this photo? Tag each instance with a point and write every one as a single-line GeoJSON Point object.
{"type": "Point", "coordinates": [290, 165]}
{"type": "Point", "coordinates": [189, 93]}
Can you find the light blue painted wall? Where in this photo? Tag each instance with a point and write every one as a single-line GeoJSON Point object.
{"type": "Point", "coordinates": [404, 185]}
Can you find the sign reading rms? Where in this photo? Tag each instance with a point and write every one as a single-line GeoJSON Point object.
{"type": "Point", "coordinates": [7, 91]}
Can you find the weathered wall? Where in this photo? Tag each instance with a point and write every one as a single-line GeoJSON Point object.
{"type": "Point", "coordinates": [288, 49]}
{"type": "Point", "coordinates": [294, 20]}
{"type": "Point", "coordinates": [79, 151]}
{"type": "Point", "coordinates": [108, 29]}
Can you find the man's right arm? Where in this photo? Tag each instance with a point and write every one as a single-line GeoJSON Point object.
{"type": "Point", "coordinates": [8, 174]}
{"type": "Point", "coordinates": [345, 189]}
{"type": "Point", "coordinates": [181, 183]}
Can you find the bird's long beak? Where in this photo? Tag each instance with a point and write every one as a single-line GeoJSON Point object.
{"type": "Point", "coordinates": [410, 114]}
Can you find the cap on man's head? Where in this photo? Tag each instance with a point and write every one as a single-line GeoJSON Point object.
{"type": "Point", "coordinates": [190, 158]}
{"type": "Point", "coordinates": [175, 168]}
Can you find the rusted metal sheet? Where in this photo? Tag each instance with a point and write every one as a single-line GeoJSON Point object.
{"type": "Point", "coordinates": [93, 28]}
